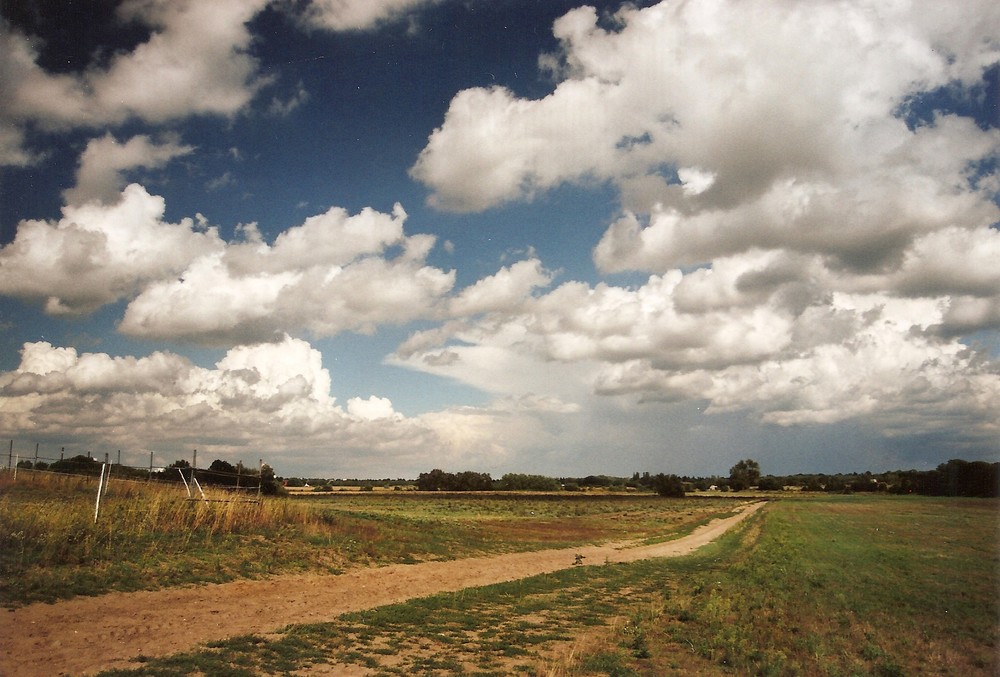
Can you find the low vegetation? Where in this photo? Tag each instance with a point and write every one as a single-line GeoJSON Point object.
{"type": "Point", "coordinates": [150, 535]}
{"type": "Point", "coordinates": [836, 585]}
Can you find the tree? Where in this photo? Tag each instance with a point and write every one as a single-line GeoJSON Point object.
{"type": "Point", "coordinates": [670, 486]}
{"type": "Point", "coordinates": [268, 483]}
{"type": "Point", "coordinates": [77, 465]}
{"type": "Point", "coordinates": [435, 480]}
{"type": "Point", "coordinates": [218, 465]}
{"type": "Point", "coordinates": [469, 480]}
{"type": "Point", "coordinates": [439, 480]}
{"type": "Point", "coordinates": [744, 474]}
{"type": "Point", "coordinates": [222, 472]}
{"type": "Point", "coordinates": [770, 484]}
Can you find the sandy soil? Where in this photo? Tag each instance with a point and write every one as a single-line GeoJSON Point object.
{"type": "Point", "coordinates": [90, 634]}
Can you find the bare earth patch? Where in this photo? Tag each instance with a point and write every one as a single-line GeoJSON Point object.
{"type": "Point", "coordinates": [89, 634]}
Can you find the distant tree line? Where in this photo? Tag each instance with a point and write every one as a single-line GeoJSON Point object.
{"type": "Point", "coordinates": [439, 480]}
{"type": "Point", "coordinates": [328, 484]}
{"type": "Point", "coordinates": [218, 473]}
{"type": "Point", "coordinates": [954, 478]}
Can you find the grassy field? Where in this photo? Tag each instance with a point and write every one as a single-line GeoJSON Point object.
{"type": "Point", "coordinates": [149, 536]}
{"type": "Point", "coordinates": [827, 585]}
{"type": "Point", "coordinates": [812, 585]}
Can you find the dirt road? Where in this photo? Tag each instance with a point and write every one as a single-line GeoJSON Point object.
{"type": "Point", "coordinates": [90, 634]}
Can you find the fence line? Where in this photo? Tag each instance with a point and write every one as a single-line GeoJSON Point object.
{"type": "Point", "coordinates": [25, 475]}
{"type": "Point", "coordinates": [243, 478]}
{"type": "Point", "coordinates": [82, 469]}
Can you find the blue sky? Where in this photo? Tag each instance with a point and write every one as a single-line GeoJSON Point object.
{"type": "Point", "coordinates": [375, 238]}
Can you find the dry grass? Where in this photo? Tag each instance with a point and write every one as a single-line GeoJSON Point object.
{"type": "Point", "coordinates": [150, 535]}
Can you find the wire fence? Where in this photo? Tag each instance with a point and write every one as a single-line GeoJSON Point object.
{"type": "Point", "coordinates": [222, 480]}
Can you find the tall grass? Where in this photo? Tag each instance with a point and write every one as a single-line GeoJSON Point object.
{"type": "Point", "coordinates": [147, 535]}
{"type": "Point", "coordinates": [133, 510]}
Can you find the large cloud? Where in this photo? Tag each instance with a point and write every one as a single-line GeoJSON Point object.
{"type": "Point", "coordinates": [267, 400]}
{"type": "Point", "coordinates": [105, 161]}
{"type": "Point", "coordinates": [862, 220]}
{"type": "Point", "coordinates": [731, 126]}
{"type": "Point", "coordinates": [195, 62]}
{"type": "Point", "coordinates": [752, 333]}
{"type": "Point", "coordinates": [96, 254]}
{"type": "Point", "coordinates": [147, 399]}
{"type": "Point", "coordinates": [745, 94]}
{"type": "Point", "coordinates": [815, 244]}
{"type": "Point", "coordinates": [334, 273]}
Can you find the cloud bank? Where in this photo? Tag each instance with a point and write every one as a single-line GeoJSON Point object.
{"type": "Point", "coordinates": [815, 249]}
{"type": "Point", "coordinates": [268, 399]}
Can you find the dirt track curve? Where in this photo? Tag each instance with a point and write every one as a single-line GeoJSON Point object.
{"type": "Point", "coordinates": [90, 634]}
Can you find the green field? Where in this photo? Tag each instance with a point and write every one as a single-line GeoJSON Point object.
{"type": "Point", "coordinates": [829, 585]}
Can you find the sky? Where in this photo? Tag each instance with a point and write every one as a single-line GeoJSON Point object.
{"type": "Point", "coordinates": [369, 238]}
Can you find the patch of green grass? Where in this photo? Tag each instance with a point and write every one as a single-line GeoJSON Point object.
{"type": "Point", "coordinates": [843, 585]}
{"type": "Point", "coordinates": [611, 663]}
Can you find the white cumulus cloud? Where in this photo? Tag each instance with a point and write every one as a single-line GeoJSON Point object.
{"type": "Point", "coordinates": [814, 252]}
{"type": "Point", "coordinates": [265, 400]}
{"type": "Point", "coordinates": [503, 290]}
{"type": "Point", "coordinates": [96, 253]}
{"type": "Point", "coordinates": [105, 161]}
{"type": "Point", "coordinates": [195, 62]}
{"type": "Point", "coordinates": [334, 273]}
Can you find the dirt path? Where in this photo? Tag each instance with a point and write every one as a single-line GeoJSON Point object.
{"type": "Point", "coordinates": [90, 634]}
